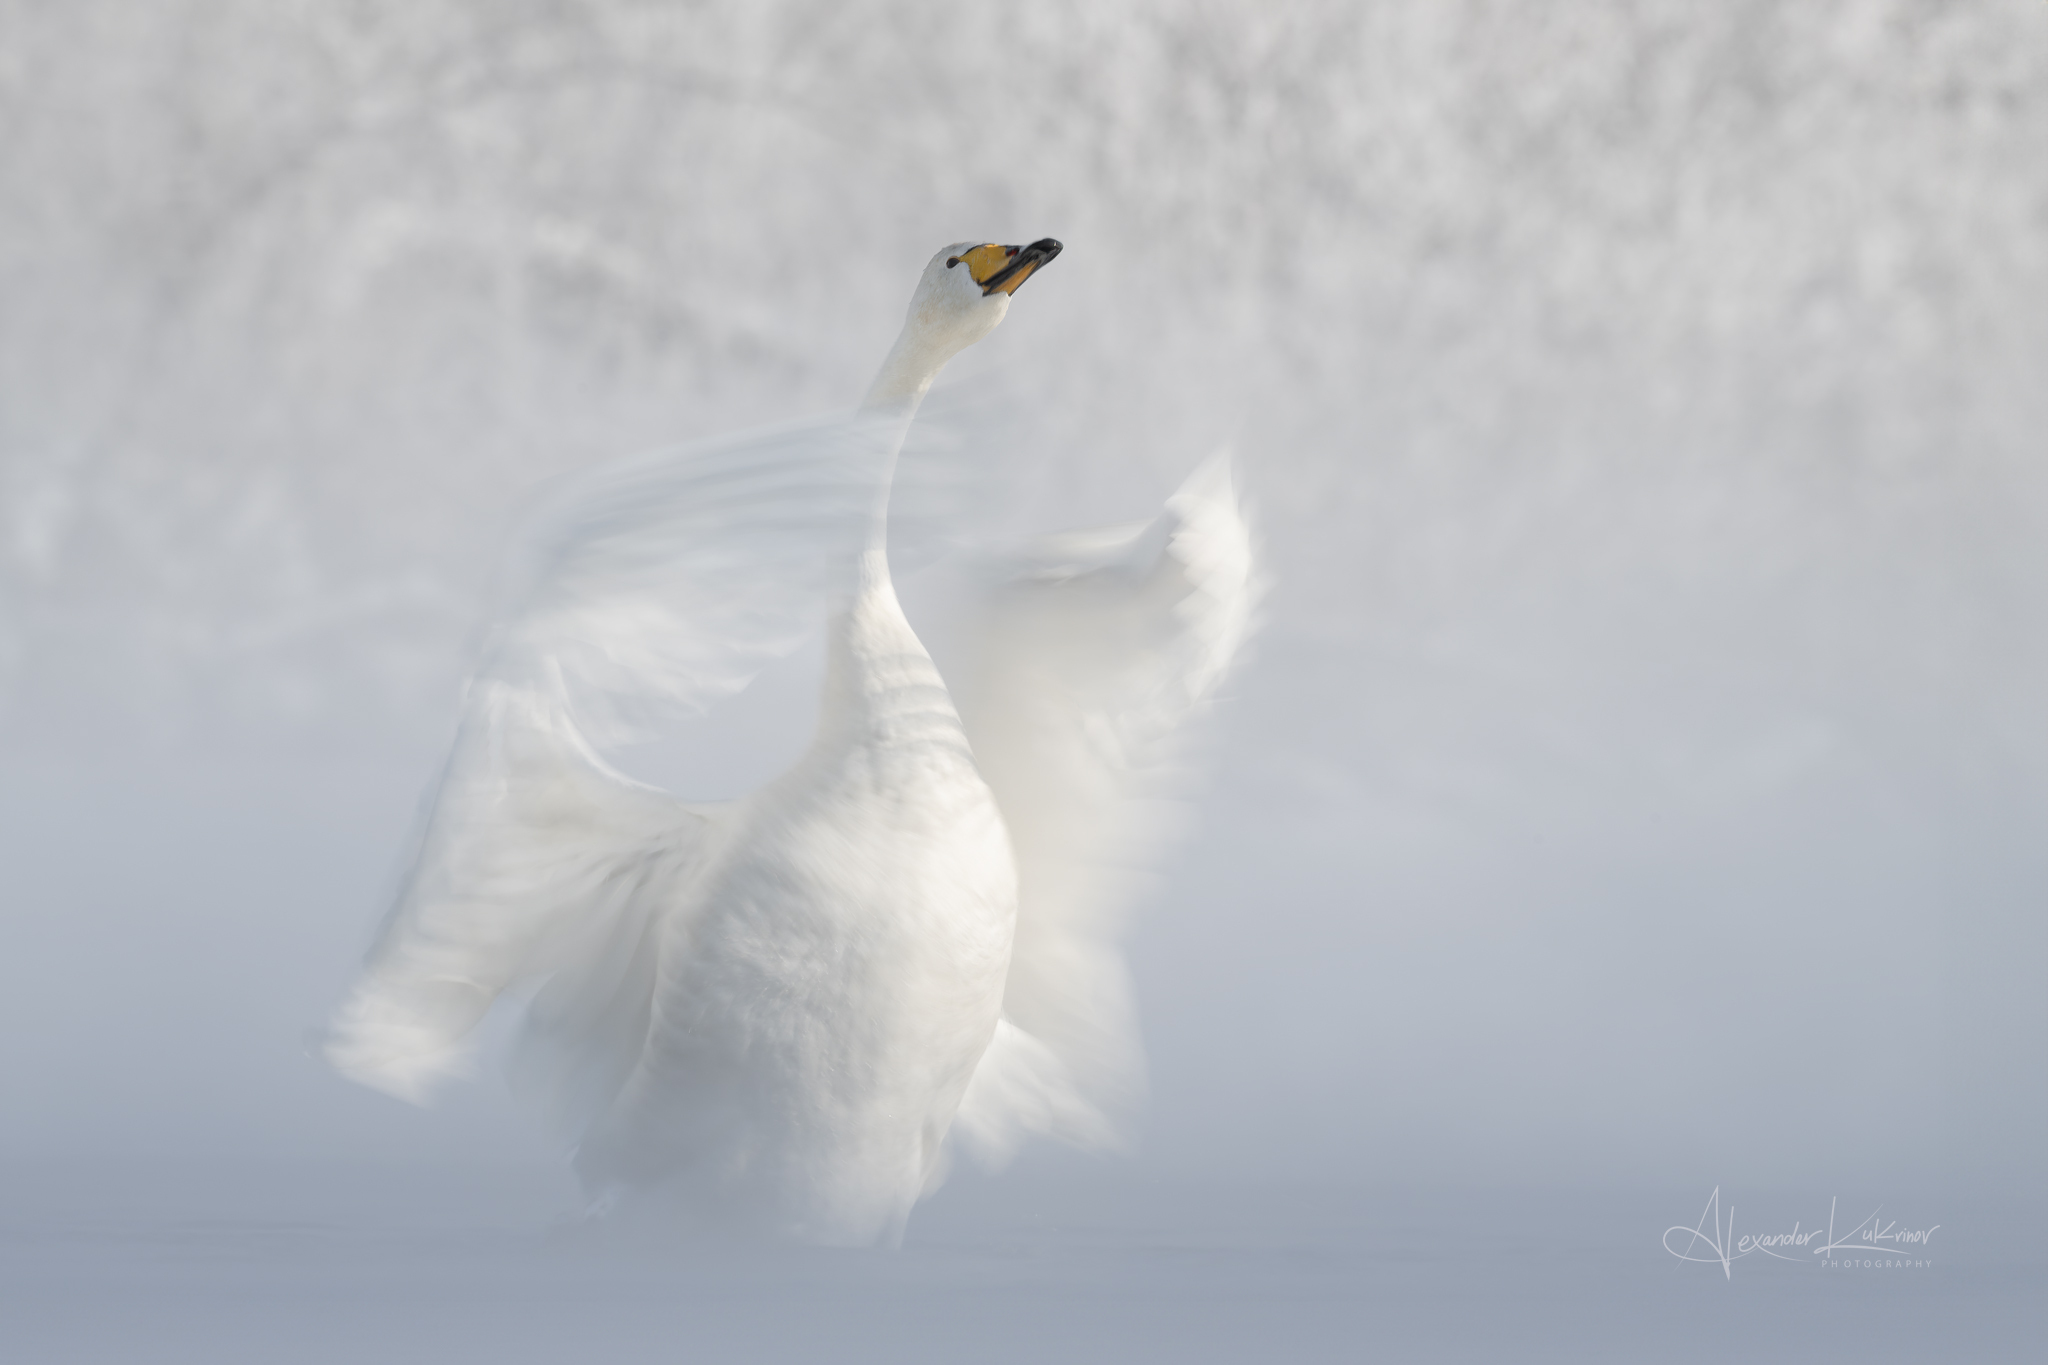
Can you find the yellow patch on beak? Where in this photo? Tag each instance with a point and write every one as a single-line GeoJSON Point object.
{"type": "Point", "coordinates": [984, 261]}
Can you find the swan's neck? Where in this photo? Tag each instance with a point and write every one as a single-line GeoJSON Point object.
{"type": "Point", "coordinates": [882, 695]}
{"type": "Point", "coordinates": [920, 352]}
{"type": "Point", "coordinates": [933, 333]}
{"type": "Point", "coordinates": [875, 652]}
{"type": "Point", "coordinates": [935, 330]}
{"type": "Point", "coordinates": [906, 376]}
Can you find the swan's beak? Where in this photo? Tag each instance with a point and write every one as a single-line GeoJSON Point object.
{"type": "Point", "coordinates": [1000, 269]}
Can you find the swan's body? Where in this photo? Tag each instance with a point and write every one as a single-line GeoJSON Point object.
{"type": "Point", "coordinates": [771, 1012]}
{"type": "Point", "coordinates": [833, 973]}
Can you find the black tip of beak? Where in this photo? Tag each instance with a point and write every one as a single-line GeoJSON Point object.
{"type": "Point", "coordinates": [1045, 248]}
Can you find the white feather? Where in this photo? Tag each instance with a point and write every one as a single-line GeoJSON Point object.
{"type": "Point", "coordinates": [1093, 652]}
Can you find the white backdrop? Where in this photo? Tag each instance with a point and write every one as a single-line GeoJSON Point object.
{"type": "Point", "coordinates": [1642, 775]}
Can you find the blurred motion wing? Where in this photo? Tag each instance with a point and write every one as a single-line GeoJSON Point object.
{"type": "Point", "coordinates": [665, 583]}
{"type": "Point", "coordinates": [1092, 653]}
{"type": "Point", "coordinates": [662, 583]}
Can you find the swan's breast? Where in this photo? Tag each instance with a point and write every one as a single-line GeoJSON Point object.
{"type": "Point", "coordinates": [849, 947]}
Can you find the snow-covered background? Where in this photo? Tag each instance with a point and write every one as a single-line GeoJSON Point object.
{"type": "Point", "coordinates": [1640, 784]}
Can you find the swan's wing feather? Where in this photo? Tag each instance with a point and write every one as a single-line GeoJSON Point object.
{"type": "Point", "coordinates": [662, 582]}
{"type": "Point", "coordinates": [1093, 653]}
{"type": "Point", "coordinates": [665, 583]}
{"type": "Point", "coordinates": [534, 857]}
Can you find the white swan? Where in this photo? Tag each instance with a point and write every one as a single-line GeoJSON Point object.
{"type": "Point", "coordinates": [772, 1012]}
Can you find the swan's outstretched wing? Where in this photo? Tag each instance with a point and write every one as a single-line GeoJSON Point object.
{"type": "Point", "coordinates": [536, 858]}
{"type": "Point", "coordinates": [1090, 657]}
{"type": "Point", "coordinates": [664, 582]}
{"type": "Point", "coordinates": [668, 581]}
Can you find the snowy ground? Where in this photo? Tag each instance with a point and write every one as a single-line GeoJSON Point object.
{"type": "Point", "coordinates": [378, 1267]}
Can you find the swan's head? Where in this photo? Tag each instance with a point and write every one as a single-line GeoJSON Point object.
{"type": "Point", "coordinates": [961, 297]}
